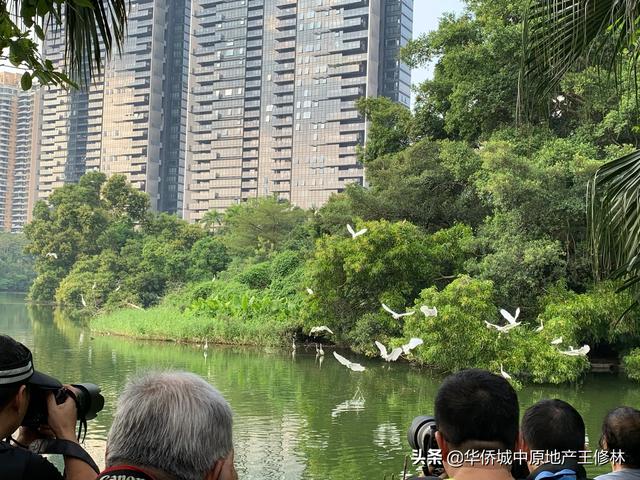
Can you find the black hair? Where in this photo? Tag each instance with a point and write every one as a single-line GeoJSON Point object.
{"type": "Point", "coordinates": [621, 432]}
{"type": "Point", "coordinates": [11, 353]}
{"type": "Point", "coordinates": [477, 406]}
{"type": "Point", "coordinates": [553, 426]}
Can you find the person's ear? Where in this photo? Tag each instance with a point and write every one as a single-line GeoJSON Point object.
{"type": "Point", "coordinates": [21, 400]}
{"type": "Point", "coordinates": [521, 445]}
{"type": "Point", "coordinates": [216, 472]}
{"type": "Point", "coordinates": [442, 445]}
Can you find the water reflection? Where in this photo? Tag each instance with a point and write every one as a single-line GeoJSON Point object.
{"type": "Point", "coordinates": [293, 419]}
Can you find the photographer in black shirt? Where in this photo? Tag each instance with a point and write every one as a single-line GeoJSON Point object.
{"type": "Point", "coordinates": [17, 380]}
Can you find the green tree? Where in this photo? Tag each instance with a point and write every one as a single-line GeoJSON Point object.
{"type": "Point", "coordinates": [92, 29]}
{"type": "Point", "coordinates": [16, 267]}
{"type": "Point", "coordinates": [260, 226]}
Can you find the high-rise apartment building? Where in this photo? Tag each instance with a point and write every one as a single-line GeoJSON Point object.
{"type": "Point", "coordinates": [132, 119]}
{"type": "Point", "coordinates": [217, 101]}
{"type": "Point", "coordinates": [272, 95]}
{"type": "Point", "coordinates": [18, 151]}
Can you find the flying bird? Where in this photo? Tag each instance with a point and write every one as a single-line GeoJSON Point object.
{"type": "Point", "coordinates": [511, 318]}
{"type": "Point", "coordinates": [51, 254]}
{"type": "Point", "coordinates": [556, 341]}
{"type": "Point", "coordinates": [309, 291]}
{"type": "Point", "coordinates": [413, 343]}
{"type": "Point", "coordinates": [396, 316]}
{"type": "Point", "coordinates": [576, 352]}
{"type": "Point", "coordinates": [355, 234]}
{"type": "Point", "coordinates": [504, 374]}
{"type": "Point", "coordinates": [429, 311]}
{"type": "Point", "coordinates": [323, 328]}
{"type": "Point", "coordinates": [388, 357]}
{"type": "Point", "coordinates": [356, 367]}
{"type": "Point", "coordinates": [502, 329]}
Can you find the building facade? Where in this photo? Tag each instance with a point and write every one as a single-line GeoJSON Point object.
{"type": "Point", "coordinates": [272, 95]}
{"type": "Point", "coordinates": [217, 101]}
{"type": "Point", "coordinates": [18, 151]}
{"type": "Point", "coordinates": [132, 119]}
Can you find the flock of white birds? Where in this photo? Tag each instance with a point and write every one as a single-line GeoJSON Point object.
{"type": "Point", "coordinates": [393, 355]}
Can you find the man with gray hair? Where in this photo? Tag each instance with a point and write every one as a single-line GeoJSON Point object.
{"type": "Point", "coordinates": [170, 426]}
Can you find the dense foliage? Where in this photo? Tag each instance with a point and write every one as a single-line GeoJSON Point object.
{"type": "Point", "coordinates": [463, 211]}
{"type": "Point", "coordinates": [16, 267]}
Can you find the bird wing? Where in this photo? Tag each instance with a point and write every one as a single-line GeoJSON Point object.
{"type": "Point", "coordinates": [383, 349]}
{"type": "Point", "coordinates": [395, 354]}
{"type": "Point", "coordinates": [388, 309]}
{"type": "Point", "coordinates": [517, 313]}
{"type": "Point", "coordinates": [361, 232]}
{"type": "Point", "coordinates": [507, 316]}
{"type": "Point", "coordinates": [413, 343]}
{"type": "Point", "coordinates": [406, 314]}
{"type": "Point", "coordinates": [351, 230]}
{"type": "Point", "coordinates": [356, 367]}
{"type": "Point", "coordinates": [342, 360]}
{"type": "Point", "coordinates": [489, 325]}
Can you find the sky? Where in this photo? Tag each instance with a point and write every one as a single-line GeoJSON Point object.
{"type": "Point", "coordinates": [426, 14]}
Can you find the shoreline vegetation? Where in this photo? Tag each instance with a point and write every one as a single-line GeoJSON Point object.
{"type": "Point", "coordinates": [463, 212]}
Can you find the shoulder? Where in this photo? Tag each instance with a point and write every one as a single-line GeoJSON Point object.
{"type": "Point", "coordinates": [17, 463]}
{"type": "Point", "coordinates": [39, 467]}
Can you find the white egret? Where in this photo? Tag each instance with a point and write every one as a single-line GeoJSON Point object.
{"type": "Point", "coordinates": [504, 374]}
{"type": "Point", "coordinates": [94, 286]}
{"type": "Point", "coordinates": [319, 350]}
{"type": "Point", "coordinates": [556, 341]}
{"type": "Point", "coordinates": [395, 315]}
{"type": "Point", "coordinates": [355, 234]}
{"type": "Point", "coordinates": [502, 329]}
{"type": "Point", "coordinates": [84, 304]}
{"type": "Point", "coordinates": [323, 328]}
{"type": "Point", "coordinates": [117, 288]}
{"type": "Point", "coordinates": [413, 343]}
{"type": "Point", "coordinates": [388, 357]}
{"type": "Point", "coordinates": [541, 327]}
{"type": "Point", "coordinates": [309, 291]}
{"type": "Point", "coordinates": [206, 344]}
{"type": "Point", "coordinates": [52, 254]}
{"type": "Point", "coordinates": [356, 367]}
{"type": "Point", "coordinates": [429, 311]}
{"type": "Point", "coordinates": [576, 352]}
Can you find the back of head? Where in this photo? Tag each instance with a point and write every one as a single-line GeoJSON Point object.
{"type": "Point", "coordinates": [475, 407]}
{"type": "Point", "coordinates": [12, 353]}
{"type": "Point", "coordinates": [553, 426]}
{"type": "Point", "coordinates": [170, 421]}
{"type": "Point", "coordinates": [621, 432]}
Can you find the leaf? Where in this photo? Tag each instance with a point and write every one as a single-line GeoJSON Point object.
{"type": "Point", "coordinates": [26, 81]}
{"type": "Point", "coordinates": [39, 32]}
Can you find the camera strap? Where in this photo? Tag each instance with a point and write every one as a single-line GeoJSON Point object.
{"type": "Point", "coordinates": [63, 447]}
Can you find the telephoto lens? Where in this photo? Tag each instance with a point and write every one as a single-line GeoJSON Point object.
{"type": "Point", "coordinates": [422, 433]}
{"type": "Point", "coordinates": [89, 400]}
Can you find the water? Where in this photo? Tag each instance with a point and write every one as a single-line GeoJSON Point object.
{"type": "Point", "coordinates": [292, 419]}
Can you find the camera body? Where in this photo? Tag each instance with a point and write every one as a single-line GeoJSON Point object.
{"type": "Point", "coordinates": [87, 396]}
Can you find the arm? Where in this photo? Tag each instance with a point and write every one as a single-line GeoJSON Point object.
{"type": "Point", "coordinates": [62, 420]}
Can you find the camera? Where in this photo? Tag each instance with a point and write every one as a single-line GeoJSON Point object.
{"type": "Point", "coordinates": [422, 436]}
{"type": "Point", "coordinates": [87, 396]}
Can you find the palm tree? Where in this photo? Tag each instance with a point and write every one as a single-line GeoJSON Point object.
{"type": "Point", "coordinates": [92, 30]}
{"type": "Point", "coordinates": [558, 36]}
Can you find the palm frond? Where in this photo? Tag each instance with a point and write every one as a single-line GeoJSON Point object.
{"type": "Point", "coordinates": [93, 29]}
{"type": "Point", "coordinates": [613, 198]}
{"type": "Point", "coordinates": [558, 34]}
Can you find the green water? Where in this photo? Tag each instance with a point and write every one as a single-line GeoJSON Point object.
{"type": "Point", "coordinates": [290, 416]}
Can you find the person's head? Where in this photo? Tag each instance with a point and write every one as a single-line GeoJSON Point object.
{"type": "Point", "coordinates": [174, 423]}
{"type": "Point", "coordinates": [621, 432]}
{"type": "Point", "coordinates": [552, 426]}
{"type": "Point", "coordinates": [16, 368]}
{"type": "Point", "coordinates": [476, 409]}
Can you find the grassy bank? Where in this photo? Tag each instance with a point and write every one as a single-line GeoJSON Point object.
{"type": "Point", "coordinates": [221, 313]}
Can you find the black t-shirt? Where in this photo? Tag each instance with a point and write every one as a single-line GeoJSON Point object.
{"type": "Point", "coordinates": [20, 464]}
